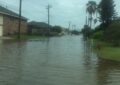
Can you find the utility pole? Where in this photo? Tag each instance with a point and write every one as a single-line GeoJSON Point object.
{"type": "Point", "coordinates": [48, 9]}
{"type": "Point", "coordinates": [69, 27]}
{"type": "Point", "coordinates": [86, 20]}
{"type": "Point", "coordinates": [19, 25]}
{"type": "Point", "coordinates": [73, 26]}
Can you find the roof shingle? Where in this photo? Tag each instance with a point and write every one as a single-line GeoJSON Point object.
{"type": "Point", "coordinates": [8, 12]}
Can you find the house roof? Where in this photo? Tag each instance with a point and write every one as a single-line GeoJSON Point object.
{"type": "Point", "coordinates": [8, 12]}
{"type": "Point", "coordinates": [38, 25]}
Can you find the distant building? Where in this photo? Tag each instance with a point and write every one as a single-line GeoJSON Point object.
{"type": "Point", "coordinates": [9, 22]}
{"type": "Point", "coordinates": [38, 28]}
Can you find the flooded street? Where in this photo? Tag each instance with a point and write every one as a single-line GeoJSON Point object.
{"type": "Point", "coordinates": [67, 60]}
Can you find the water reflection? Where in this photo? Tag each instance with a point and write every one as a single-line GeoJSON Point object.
{"type": "Point", "coordinates": [90, 57]}
{"type": "Point", "coordinates": [67, 60]}
{"type": "Point", "coordinates": [87, 52]}
{"type": "Point", "coordinates": [108, 72]}
{"type": "Point", "coordinates": [11, 62]}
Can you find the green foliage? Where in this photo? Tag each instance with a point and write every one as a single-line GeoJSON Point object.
{"type": "Point", "coordinates": [113, 33]}
{"type": "Point", "coordinates": [98, 28]}
{"type": "Point", "coordinates": [91, 10]}
{"type": "Point", "coordinates": [98, 35]}
{"type": "Point", "coordinates": [91, 7]}
{"type": "Point", "coordinates": [107, 12]}
{"type": "Point", "coordinates": [110, 53]}
{"type": "Point", "coordinates": [57, 29]}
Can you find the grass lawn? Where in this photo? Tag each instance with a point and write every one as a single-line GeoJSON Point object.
{"type": "Point", "coordinates": [112, 53]}
{"type": "Point", "coordinates": [108, 51]}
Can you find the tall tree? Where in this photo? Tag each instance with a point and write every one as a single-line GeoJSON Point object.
{"type": "Point", "coordinates": [91, 10]}
{"type": "Point", "coordinates": [107, 12]}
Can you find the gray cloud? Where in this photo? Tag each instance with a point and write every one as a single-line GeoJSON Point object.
{"type": "Point", "coordinates": [62, 11]}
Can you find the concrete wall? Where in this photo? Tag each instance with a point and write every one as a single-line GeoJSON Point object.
{"type": "Point", "coordinates": [10, 25]}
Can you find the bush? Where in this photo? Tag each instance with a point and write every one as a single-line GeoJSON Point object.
{"type": "Point", "coordinates": [98, 35]}
{"type": "Point", "coordinates": [57, 29]}
{"type": "Point", "coordinates": [113, 33]}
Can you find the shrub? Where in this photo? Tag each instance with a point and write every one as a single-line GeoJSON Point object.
{"type": "Point", "coordinates": [113, 33]}
{"type": "Point", "coordinates": [98, 35]}
{"type": "Point", "coordinates": [57, 29]}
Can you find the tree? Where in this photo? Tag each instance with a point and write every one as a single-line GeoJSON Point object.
{"type": "Point", "coordinates": [86, 31]}
{"type": "Point", "coordinates": [107, 12]}
{"type": "Point", "coordinates": [91, 10]}
{"type": "Point", "coordinates": [57, 29]}
{"type": "Point", "coordinates": [113, 33]}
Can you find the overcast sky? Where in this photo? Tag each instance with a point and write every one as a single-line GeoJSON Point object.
{"type": "Point", "coordinates": [61, 13]}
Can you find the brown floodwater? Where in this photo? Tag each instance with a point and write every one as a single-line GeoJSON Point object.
{"type": "Point", "coordinates": [67, 60]}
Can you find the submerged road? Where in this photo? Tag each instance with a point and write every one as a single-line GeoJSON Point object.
{"type": "Point", "coordinates": [67, 60]}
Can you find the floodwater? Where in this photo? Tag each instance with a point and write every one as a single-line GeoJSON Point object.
{"type": "Point", "coordinates": [67, 60]}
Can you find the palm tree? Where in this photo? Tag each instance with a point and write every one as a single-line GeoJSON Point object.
{"type": "Point", "coordinates": [91, 10]}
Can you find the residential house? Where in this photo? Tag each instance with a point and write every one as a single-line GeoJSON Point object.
{"type": "Point", "coordinates": [38, 28]}
{"type": "Point", "coordinates": [9, 21]}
